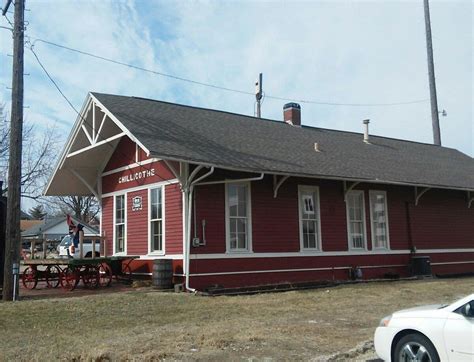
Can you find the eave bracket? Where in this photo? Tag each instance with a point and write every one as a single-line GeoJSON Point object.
{"type": "Point", "coordinates": [470, 199]}
{"type": "Point", "coordinates": [349, 188]}
{"type": "Point", "coordinates": [419, 193]}
{"type": "Point", "coordinates": [277, 184]}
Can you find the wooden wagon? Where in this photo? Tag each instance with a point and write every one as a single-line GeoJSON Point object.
{"type": "Point", "coordinates": [95, 271]}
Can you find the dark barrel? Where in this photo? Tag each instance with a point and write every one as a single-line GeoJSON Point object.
{"type": "Point", "coordinates": [421, 265]}
{"type": "Point", "coordinates": [163, 273]}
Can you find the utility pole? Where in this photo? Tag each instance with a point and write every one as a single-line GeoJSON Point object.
{"type": "Point", "coordinates": [12, 237]}
{"type": "Point", "coordinates": [259, 94]}
{"type": "Point", "coordinates": [431, 74]}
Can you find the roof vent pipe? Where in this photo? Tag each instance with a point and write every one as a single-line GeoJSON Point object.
{"type": "Point", "coordinates": [292, 114]}
{"type": "Point", "coordinates": [366, 130]}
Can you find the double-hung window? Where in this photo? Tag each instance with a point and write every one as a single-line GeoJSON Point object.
{"type": "Point", "coordinates": [156, 220]}
{"type": "Point", "coordinates": [310, 227]}
{"type": "Point", "coordinates": [356, 229]}
{"type": "Point", "coordinates": [119, 221]}
{"type": "Point", "coordinates": [238, 218]}
{"type": "Point", "coordinates": [379, 219]}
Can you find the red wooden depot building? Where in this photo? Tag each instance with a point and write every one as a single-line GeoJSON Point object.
{"type": "Point", "coordinates": [242, 201]}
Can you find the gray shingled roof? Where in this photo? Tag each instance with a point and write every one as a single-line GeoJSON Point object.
{"type": "Point", "coordinates": [234, 141]}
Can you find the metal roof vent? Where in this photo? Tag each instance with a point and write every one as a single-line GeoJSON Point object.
{"type": "Point", "coordinates": [316, 147]}
{"type": "Point", "coordinates": [366, 130]}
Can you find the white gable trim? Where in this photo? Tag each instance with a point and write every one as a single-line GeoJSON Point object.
{"type": "Point", "coordinates": [118, 123]}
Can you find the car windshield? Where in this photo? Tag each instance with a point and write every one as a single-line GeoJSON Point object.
{"type": "Point", "coordinates": [66, 240]}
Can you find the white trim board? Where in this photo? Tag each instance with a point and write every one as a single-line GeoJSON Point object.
{"type": "Point", "coordinates": [165, 256]}
{"type": "Point", "coordinates": [131, 166]}
{"type": "Point", "coordinates": [324, 253]}
{"type": "Point", "coordinates": [143, 187]}
{"type": "Point", "coordinates": [454, 262]}
{"type": "Point", "coordinates": [313, 269]}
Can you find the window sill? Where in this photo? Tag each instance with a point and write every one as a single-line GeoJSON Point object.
{"type": "Point", "coordinates": [311, 251]}
{"type": "Point", "coordinates": [239, 252]}
{"type": "Point", "coordinates": [156, 253]}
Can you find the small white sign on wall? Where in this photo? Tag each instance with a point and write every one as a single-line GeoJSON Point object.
{"type": "Point", "coordinates": [137, 203]}
{"type": "Point", "coordinates": [308, 203]}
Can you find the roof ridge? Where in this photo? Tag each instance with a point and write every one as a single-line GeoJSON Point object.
{"type": "Point", "coordinates": [279, 121]}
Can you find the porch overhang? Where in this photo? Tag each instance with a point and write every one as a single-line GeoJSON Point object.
{"type": "Point", "coordinates": [90, 145]}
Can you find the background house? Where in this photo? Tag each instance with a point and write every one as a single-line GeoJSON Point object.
{"type": "Point", "coordinates": [54, 229]}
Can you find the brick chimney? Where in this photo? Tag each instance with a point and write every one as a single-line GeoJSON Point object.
{"type": "Point", "coordinates": [292, 114]}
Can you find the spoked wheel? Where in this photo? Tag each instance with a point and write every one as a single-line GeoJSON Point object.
{"type": "Point", "coordinates": [90, 276]}
{"type": "Point", "coordinates": [415, 347]}
{"type": "Point", "coordinates": [52, 276]}
{"type": "Point", "coordinates": [69, 278]}
{"type": "Point", "coordinates": [105, 274]}
{"type": "Point", "coordinates": [30, 278]}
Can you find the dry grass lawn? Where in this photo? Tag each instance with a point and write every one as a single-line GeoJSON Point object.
{"type": "Point", "coordinates": [146, 324]}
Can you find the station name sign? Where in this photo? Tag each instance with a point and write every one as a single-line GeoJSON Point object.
{"type": "Point", "coordinates": [136, 176]}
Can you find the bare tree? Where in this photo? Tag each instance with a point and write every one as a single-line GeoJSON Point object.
{"type": "Point", "coordinates": [39, 153]}
{"type": "Point", "coordinates": [84, 208]}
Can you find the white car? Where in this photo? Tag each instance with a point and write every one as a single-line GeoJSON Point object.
{"type": "Point", "coordinates": [430, 333]}
{"type": "Point", "coordinates": [63, 248]}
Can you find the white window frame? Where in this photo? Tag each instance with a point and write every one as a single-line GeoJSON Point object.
{"type": "Point", "coordinates": [163, 228]}
{"type": "Point", "coordinates": [379, 192]}
{"type": "Point", "coordinates": [312, 189]}
{"type": "Point", "coordinates": [124, 252]}
{"type": "Point", "coordinates": [249, 219]}
{"type": "Point", "coordinates": [349, 239]}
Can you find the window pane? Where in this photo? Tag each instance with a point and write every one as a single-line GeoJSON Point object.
{"type": "Point", "coordinates": [156, 235]}
{"type": "Point", "coordinates": [241, 225]}
{"type": "Point", "coordinates": [119, 238]}
{"type": "Point", "coordinates": [233, 200]}
{"type": "Point", "coordinates": [233, 225]}
{"type": "Point", "coordinates": [119, 209]}
{"type": "Point", "coordinates": [233, 240]}
{"type": "Point", "coordinates": [241, 241]}
{"type": "Point", "coordinates": [311, 240]}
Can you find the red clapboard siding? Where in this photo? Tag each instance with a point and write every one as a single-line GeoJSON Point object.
{"type": "Point", "coordinates": [442, 220]}
{"type": "Point", "coordinates": [137, 225]}
{"type": "Point", "coordinates": [173, 220]}
{"type": "Point", "coordinates": [123, 155]}
{"type": "Point", "coordinates": [107, 225]}
{"type": "Point", "coordinates": [210, 205]}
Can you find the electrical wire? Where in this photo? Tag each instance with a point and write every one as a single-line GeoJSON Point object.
{"type": "Point", "coordinates": [225, 88]}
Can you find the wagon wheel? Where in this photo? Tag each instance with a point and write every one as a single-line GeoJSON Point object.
{"type": "Point", "coordinates": [90, 276]}
{"type": "Point", "coordinates": [105, 274]}
{"type": "Point", "coordinates": [69, 278]}
{"type": "Point", "coordinates": [30, 278]}
{"type": "Point", "coordinates": [52, 276]}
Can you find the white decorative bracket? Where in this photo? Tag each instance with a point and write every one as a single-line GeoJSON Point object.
{"type": "Point", "coordinates": [419, 194]}
{"type": "Point", "coordinates": [91, 189]}
{"type": "Point", "coordinates": [277, 184]}
{"type": "Point", "coordinates": [349, 189]}
{"type": "Point", "coordinates": [470, 199]}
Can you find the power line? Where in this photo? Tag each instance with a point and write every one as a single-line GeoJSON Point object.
{"type": "Point", "coordinates": [225, 88]}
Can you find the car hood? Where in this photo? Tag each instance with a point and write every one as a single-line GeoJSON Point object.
{"type": "Point", "coordinates": [433, 309]}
